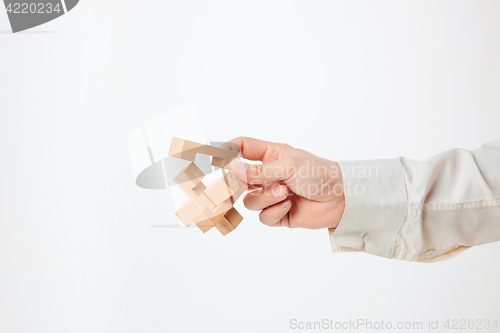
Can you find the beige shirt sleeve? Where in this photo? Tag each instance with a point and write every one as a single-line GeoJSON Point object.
{"type": "Point", "coordinates": [421, 211]}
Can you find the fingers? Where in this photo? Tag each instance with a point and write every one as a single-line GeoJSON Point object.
{"type": "Point", "coordinates": [265, 197]}
{"type": "Point", "coordinates": [274, 203]}
{"type": "Point", "coordinates": [270, 153]}
{"type": "Point", "coordinates": [259, 150]}
{"type": "Point", "coordinates": [256, 174]}
{"type": "Point", "coordinates": [276, 215]}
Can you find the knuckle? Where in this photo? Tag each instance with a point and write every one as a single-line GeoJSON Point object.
{"type": "Point", "coordinates": [294, 160]}
{"type": "Point", "coordinates": [291, 164]}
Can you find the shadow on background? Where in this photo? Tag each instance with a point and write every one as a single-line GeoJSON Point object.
{"type": "Point", "coordinates": [8, 32]}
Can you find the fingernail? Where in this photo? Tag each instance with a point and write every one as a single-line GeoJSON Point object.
{"type": "Point", "coordinates": [237, 165]}
{"type": "Point", "coordinates": [280, 192]}
{"type": "Point", "coordinates": [285, 204]}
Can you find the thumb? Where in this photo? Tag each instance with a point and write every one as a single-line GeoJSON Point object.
{"type": "Point", "coordinates": [257, 174]}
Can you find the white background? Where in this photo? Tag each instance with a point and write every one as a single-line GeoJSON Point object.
{"type": "Point", "coordinates": [342, 79]}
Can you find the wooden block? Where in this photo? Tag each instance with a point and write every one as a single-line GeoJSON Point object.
{"type": "Point", "coordinates": [220, 162]}
{"type": "Point", "coordinates": [191, 148]}
{"type": "Point", "coordinates": [222, 213]}
{"type": "Point", "coordinates": [225, 187]}
{"type": "Point", "coordinates": [213, 205]}
{"type": "Point", "coordinates": [197, 195]}
{"type": "Point", "coordinates": [219, 191]}
{"type": "Point", "coordinates": [232, 181]}
{"type": "Point", "coordinates": [222, 153]}
{"type": "Point", "coordinates": [214, 214]}
{"type": "Point", "coordinates": [222, 157]}
{"type": "Point", "coordinates": [224, 226]}
{"type": "Point", "coordinates": [187, 212]}
{"type": "Point", "coordinates": [186, 150]}
{"type": "Point", "coordinates": [208, 220]}
{"type": "Point", "coordinates": [205, 225]}
{"type": "Point", "coordinates": [207, 214]}
{"type": "Point", "coordinates": [238, 193]}
{"type": "Point", "coordinates": [225, 222]}
{"type": "Point", "coordinates": [190, 175]}
{"type": "Point", "coordinates": [176, 147]}
{"type": "Point", "coordinates": [234, 217]}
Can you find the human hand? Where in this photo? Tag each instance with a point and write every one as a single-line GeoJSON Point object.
{"type": "Point", "coordinates": [292, 188]}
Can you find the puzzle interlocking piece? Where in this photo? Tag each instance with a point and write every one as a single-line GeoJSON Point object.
{"type": "Point", "coordinates": [208, 206]}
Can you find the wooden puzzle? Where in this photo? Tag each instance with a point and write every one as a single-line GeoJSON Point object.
{"type": "Point", "coordinates": [208, 206]}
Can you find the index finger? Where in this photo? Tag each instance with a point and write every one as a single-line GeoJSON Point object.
{"type": "Point", "coordinates": [259, 150]}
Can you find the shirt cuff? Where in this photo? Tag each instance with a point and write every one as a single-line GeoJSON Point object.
{"type": "Point", "coordinates": [375, 207]}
